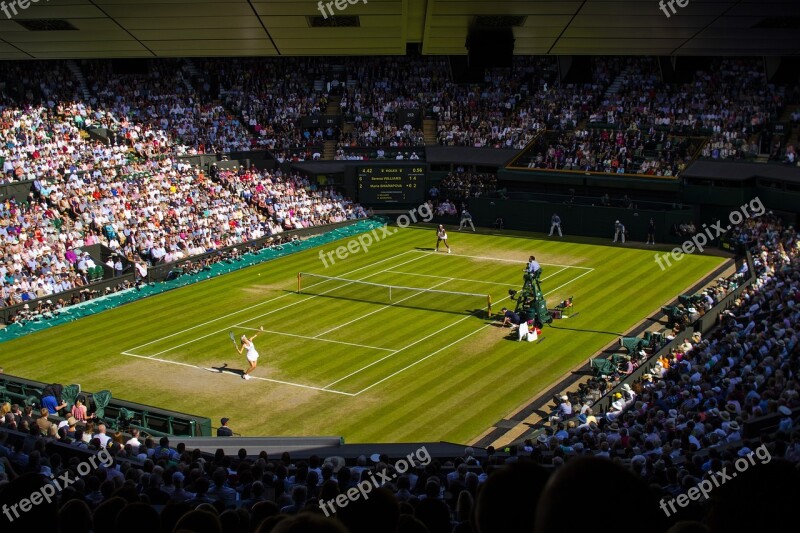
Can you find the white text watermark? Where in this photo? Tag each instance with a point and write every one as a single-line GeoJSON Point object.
{"type": "Point", "coordinates": [754, 208]}
{"type": "Point", "coordinates": [341, 5]}
{"type": "Point", "coordinates": [12, 8]}
{"type": "Point", "coordinates": [716, 479]}
{"type": "Point", "coordinates": [421, 457]}
{"type": "Point", "coordinates": [363, 242]}
{"type": "Point", "coordinates": [48, 492]}
{"type": "Point", "coordinates": [664, 4]}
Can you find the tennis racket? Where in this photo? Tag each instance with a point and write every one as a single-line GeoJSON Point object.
{"type": "Point", "coordinates": [233, 338]}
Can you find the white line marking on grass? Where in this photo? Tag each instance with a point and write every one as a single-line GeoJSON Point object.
{"type": "Point", "coordinates": [423, 359]}
{"type": "Point", "coordinates": [567, 283]}
{"type": "Point", "coordinates": [407, 346]}
{"type": "Point", "coordinates": [554, 273]}
{"type": "Point", "coordinates": [238, 375]}
{"type": "Point", "coordinates": [256, 305]}
{"type": "Point", "coordinates": [437, 351]}
{"type": "Point", "coordinates": [471, 280]}
{"type": "Point", "coordinates": [271, 312]}
{"type": "Point", "coordinates": [498, 259]}
{"type": "Point", "coordinates": [321, 340]}
{"type": "Point", "coordinates": [445, 277]}
{"type": "Point", "coordinates": [385, 306]}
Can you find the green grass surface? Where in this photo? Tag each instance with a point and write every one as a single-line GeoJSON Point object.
{"type": "Point", "coordinates": [340, 361]}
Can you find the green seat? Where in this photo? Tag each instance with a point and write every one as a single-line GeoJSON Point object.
{"type": "Point", "coordinates": [98, 273]}
{"type": "Point", "coordinates": [602, 366]}
{"type": "Point", "coordinates": [101, 400]}
{"type": "Point", "coordinates": [674, 314]}
{"type": "Point", "coordinates": [631, 344]}
{"type": "Point", "coordinates": [619, 358]}
{"type": "Point", "coordinates": [70, 394]}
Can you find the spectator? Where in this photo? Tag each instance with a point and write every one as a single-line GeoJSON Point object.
{"type": "Point", "coordinates": [224, 430]}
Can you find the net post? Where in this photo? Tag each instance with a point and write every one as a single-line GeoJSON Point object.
{"type": "Point", "coordinates": [489, 302]}
{"type": "Point", "coordinates": [299, 275]}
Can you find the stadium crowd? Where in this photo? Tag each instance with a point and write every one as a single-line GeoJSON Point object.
{"type": "Point", "coordinates": [242, 104]}
{"type": "Point", "coordinates": [686, 418]}
{"type": "Point", "coordinates": [609, 151]}
{"type": "Point", "coordinates": [459, 186]}
{"type": "Point", "coordinates": [153, 212]}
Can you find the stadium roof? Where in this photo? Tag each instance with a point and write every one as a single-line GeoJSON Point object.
{"type": "Point", "coordinates": [47, 29]}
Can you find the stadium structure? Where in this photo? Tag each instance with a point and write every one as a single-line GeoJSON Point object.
{"type": "Point", "coordinates": [260, 265]}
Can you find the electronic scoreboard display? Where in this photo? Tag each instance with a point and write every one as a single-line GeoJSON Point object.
{"type": "Point", "coordinates": [385, 184]}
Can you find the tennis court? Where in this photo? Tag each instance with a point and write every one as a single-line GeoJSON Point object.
{"type": "Point", "coordinates": [338, 334]}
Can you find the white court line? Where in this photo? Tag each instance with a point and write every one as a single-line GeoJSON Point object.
{"type": "Point", "coordinates": [423, 359]}
{"type": "Point", "coordinates": [437, 351]}
{"type": "Point", "coordinates": [445, 277]}
{"type": "Point", "coordinates": [404, 348]}
{"type": "Point", "coordinates": [274, 311]}
{"type": "Point", "coordinates": [498, 259]}
{"type": "Point", "coordinates": [321, 340]}
{"type": "Point", "coordinates": [470, 280]}
{"type": "Point", "coordinates": [255, 305]}
{"type": "Point", "coordinates": [232, 373]}
{"type": "Point", "coordinates": [385, 306]}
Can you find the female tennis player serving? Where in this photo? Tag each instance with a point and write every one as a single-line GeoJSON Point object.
{"type": "Point", "coordinates": [252, 354]}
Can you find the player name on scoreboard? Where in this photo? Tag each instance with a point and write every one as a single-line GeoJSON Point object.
{"type": "Point", "coordinates": [378, 184]}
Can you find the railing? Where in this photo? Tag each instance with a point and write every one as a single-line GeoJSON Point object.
{"type": "Point", "coordinates": [603, 404]}
{"type": "Point", "coordinates": [152, 420]}
{"type": "Point", "coordinates": [702, 325]}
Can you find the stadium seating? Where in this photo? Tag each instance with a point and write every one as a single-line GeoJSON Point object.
{"type": "Point", "coordinates": [701, 403]}
{"type": "Point", "coordinates": [631, 344]}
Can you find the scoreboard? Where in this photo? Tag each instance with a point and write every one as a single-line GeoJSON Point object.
{"type": "Point", "coordinates": [385, 184]}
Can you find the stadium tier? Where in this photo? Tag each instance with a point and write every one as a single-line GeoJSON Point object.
{"type": "Point", "coordinates": [415, 266]}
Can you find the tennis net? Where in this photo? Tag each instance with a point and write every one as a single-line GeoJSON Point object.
{"type": "Point", "coordinates": [395, 295]}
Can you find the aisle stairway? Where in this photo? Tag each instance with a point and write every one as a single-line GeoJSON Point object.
{"type": "Point", "coordinates": [73, 67]}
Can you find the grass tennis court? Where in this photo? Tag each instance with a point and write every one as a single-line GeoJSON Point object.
{"type": "Point", "coordinates": [344, 358]}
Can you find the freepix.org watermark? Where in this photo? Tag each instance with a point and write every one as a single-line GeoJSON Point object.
{"type": "Point", "coordinates": [421, 457]}
{"type": "Point", "coordinates": [12, 8]}
{"type": "Point", "coordinates": [754, 208]}
{"type": "Point", "coordinates": [48, 492]}
{"type": "Point", "coordinates": [422, 213]}
{"type": "Point", "coordinates": [340, 5]}
{"type": "Point", "coordinates": [716, 479]}
{"type": "Point", "coordinates": [663, 4]}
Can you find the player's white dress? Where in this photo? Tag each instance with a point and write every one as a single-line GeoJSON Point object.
{"type": "Point", "coordinates": [252, 354]}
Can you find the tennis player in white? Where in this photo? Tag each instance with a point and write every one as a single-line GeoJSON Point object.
{"type": "Point", "coordinates": [441, 236]}
{"type": "Point", "coordinates": [252, 354]}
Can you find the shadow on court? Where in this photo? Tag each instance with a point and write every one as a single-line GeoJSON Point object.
{"type": "Point", "coordinates": [590, 331]}
{"type": "Point", "coordinates": [224, 369]}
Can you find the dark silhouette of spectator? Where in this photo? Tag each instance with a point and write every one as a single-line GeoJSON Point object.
{"type": "Point", "coordinates": [758, 499]}
{"type": "Point", "coordinates": [308, 522]}
{"type": "Point", "coordinates": [137, 517]}
{"type": "Point", "coordinates": [74, 517]}
{"type": "Point", "coordinates": [556, 510]}
{"type": "Point", "coordinates": [105, 516]}
{"type": "Point", "coordinates": [507, 502]}
{"type": "Point", "coordinates": [199, 521]}
{"type": "Point", "coordinates": [377, 514]}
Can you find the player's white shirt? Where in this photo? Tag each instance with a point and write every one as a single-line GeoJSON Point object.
{"type": "Point", "coordinates": [442, 234]}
